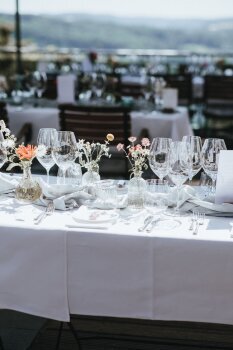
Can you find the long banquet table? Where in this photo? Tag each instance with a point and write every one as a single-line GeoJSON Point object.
{"type": "Point", "coordinates": [53, 271]}
{"type": "Point", "coordinates": [173, 125]}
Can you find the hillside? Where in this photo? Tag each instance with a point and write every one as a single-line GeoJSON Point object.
{"type": "Point", "coordinates": [89, 31]}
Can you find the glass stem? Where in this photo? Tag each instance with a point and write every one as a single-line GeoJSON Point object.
{"type": "Point", "coordinates": [63, 176]}
{"type": "Point", "coordinates": [47, 178]}
{"type": "Point", "coordinates": [177, 199]}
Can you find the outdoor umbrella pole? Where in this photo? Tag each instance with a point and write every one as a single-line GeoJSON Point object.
{"type": "Point", "coordinates": [19, 70]}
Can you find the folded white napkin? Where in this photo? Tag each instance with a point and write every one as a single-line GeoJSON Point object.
{"type": "Point", "coordinates": [64, 196]}
{"type": "Point", "coordinates": [7, 183]}
{"type": "Point", "coordinates": [189, 199]}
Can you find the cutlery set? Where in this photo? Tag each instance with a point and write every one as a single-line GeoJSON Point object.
{"type": "Point", "coordinates": [48, 211]}
{"type": "Point", "coordinates": [149, 223]}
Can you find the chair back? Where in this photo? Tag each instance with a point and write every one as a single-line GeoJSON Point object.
{"type": "Point", "coordinates": [3, 113]}
{"type": "Point", "coordinates": [93, 123]}
{"type": "Point", "coordinates": [219, 89]}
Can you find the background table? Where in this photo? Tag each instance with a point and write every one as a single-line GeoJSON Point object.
{"type": "Point", "coordinates": [175, 125]}
{"type": "Point", "coordinates": [172, 125]}
{"type": "Point", "coordinates": [118, 272]}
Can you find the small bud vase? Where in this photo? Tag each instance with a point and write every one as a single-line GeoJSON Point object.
{"type": "Point", "coordinates": [28, 190]}
{"type": "Point", "coordinates": [92, 175]}
{"type": "Point", "coordinates": [136, 191]}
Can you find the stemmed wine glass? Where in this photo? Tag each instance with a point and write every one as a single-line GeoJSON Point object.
{"type": "Point", "coordinates": [210, 157]}
{"type": "Point", "coordinates": [159, 156]}
{"type": "Point", "coordinates": [3, 150]}
{"type": "Point", "coordinates": [65, 150]}
{"type": "Point", "coordinates": [195, 147]}
{"type": "Point", "coordinates": [98, 84]}
{"type": "Point", "coordinates": [47, 137]}
{"type": "Point", "coordinates": [179, 166]}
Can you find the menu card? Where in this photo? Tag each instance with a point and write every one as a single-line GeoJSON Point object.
{"type": "Point", "coordinates": [170, 98]}
{"type": "Point", "coordinates": [66, 88]}
{"type": "Point", "coordinates": [224, 185]}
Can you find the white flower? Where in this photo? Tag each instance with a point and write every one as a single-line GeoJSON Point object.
{"type": "Point", "coordinates": [41, 150]}
{"type": "Point", "coordinates": [2, 125]}
{"type": "Point", "coordinates": [8, 143]}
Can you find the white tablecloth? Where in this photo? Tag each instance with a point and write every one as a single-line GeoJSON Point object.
{"type": "Point", "coordinates": [166, 275]}
{"type": "Point", "coordinates": [38, 117]}
{"type": "Point", "coordinates": [33, 274]}
{"type": "Point", "coordinates": [174, 125]}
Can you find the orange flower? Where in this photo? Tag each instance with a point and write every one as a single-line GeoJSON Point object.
{"type": "Point", "coordinates": [26, 152]}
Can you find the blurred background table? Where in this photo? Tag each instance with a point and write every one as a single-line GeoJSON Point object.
{"type": "Point", "coordinates": [174, 125]}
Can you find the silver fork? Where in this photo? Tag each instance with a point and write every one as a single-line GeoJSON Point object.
{"type": "Point", "coordinates": [48, 211]}
{"type": "Point", "coordinates": [199, 222]}
{"type": "Point", "coordinates": [193, 220]}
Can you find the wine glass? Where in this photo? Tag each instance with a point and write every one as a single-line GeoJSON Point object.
{"type": "Point", "coordinates": [64, 151]}
{"type": "Point", "coordinates": [98, 84]}
{"type": "Point", "coordinates": [46, 138]}
{"type": "Point", "coordinates": [195, 147]}
{"type": "Point", "coordinates": [179, 166]}
{"type": "Point", "coordinates": [210, 157]}
{"type": "Point", "coordinates": [3, 150]}
{"type": "Point", "coordinates": [159, 156]}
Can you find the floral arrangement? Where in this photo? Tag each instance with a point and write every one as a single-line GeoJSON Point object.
{"type": "Point", "coordinates": [90, 153]}
{"type": "Point", "coordinates": [137, 154]}
{"type": "Point", "coordinates": [21, 155]}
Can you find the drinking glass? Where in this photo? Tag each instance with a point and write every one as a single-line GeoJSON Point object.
{"type": "Point", "coordinates": [3, 150]}
{"type": "Point", "coordinates": [98, 84]}
{"type": "Point", "coordinates": [73, 175]}
{"type": "Point", "coordinates": [47, 137]}
{"type": "Point", "coordinates": [205, 185]}
{"type": "Point", "coordinates": [64, 151]}
{"type": "Point", "coordinates": [155, 199]}
{"type": "Point", "coordinates": [159, 156]}
{"type": "Point", "coordinates": [210, 157]}
{"type": "Point", "coordinates": [195, 146]}
{"type": "Point", "coordinates": [179, 166]}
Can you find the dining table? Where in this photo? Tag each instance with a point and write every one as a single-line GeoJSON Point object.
{"type": "Point", "coordinates": [62, 266]}
{"type": "Point", "coordinates": [172, 124]}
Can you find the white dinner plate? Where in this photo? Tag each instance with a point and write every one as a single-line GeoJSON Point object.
{"type": "Point", "coordinates": [94, 216]}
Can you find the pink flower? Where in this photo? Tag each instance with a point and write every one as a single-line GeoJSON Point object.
{"type": "Point", "coordinates": [138, 147]}
{"type": "Point", "coordinates": [145, 142]}
{"type": "Point", "coordinates": [132, 139]}
{"type": "Point", "coordinates": [120, 146]}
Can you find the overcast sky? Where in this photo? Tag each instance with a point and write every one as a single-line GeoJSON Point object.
{"type": "Point", "coordinates": [150, 8]}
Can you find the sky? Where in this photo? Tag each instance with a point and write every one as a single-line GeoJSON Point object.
{"type": "Point", "coordinates": [126, 8]}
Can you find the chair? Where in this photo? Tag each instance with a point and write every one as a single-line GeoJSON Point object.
{"type": "Point", "coordinates": [219, 107]}
{"type": "Point", "coordinates": [218, 90]}
{"type": "Point", "coordinates": [3, 113]}
{"type": "Point", "coordinates": [93, 123]}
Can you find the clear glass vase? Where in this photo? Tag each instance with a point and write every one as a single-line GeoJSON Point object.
{"type": "Point", "coordinates": [136, 191]}
{"type": "Point", "coordinates": [28, 190]}
{"type": "Point", "coordinates": [92, 175]}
